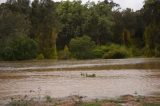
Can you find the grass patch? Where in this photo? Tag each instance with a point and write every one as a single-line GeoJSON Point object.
{"type": "Point", "coordinates": [90, 104]}
{"type": "Point", "coordinates": [48, 99]}
{"type": "Point", "coordinates": [151, 104]}
{"type": "Point", "coordinates": [19, 103]}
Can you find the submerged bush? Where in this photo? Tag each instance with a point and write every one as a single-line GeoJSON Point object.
{"type": "Point", "coordinates": [88, 75]}
{"type": "Point", "coordinates": [91, 75]}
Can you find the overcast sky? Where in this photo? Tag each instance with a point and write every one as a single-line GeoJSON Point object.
{"type": "Point", "coordinates": [134, 4]}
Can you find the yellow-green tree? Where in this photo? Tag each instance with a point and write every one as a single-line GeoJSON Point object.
{"type": "Point", "coordinates": [45, 27]}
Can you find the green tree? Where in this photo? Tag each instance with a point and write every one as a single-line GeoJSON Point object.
{"type": "Point", "coordinates": [12, 24]}
{"type": "Point", "coordinates": [99, 22]}
{"type": "Point", "coordinates": [152, 31]}
{"type": "Point", "coordinates": [128, 28]}
{"type": "Point", "coordinates": [20, 6]}
{"type": "Point", "coordinates": [72, 16]}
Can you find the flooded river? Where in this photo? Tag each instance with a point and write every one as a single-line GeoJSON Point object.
{"type": "Point", "coordinates": [64, 78]}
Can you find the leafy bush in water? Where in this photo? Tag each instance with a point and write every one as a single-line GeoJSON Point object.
{"type": "Point", "coordinates": [19, 48]}
{"type": "Point", "coordinates": [82, 47]}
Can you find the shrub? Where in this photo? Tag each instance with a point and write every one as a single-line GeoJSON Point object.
{"type": "Point", "coordinates": [117, 52]}
{"type": "Point", "coordinates": [157, 51]}
{"type": "Point", "coordinates": [64, 54]}
{"type": "Point", "coordinates": [99, 51]}
{"type": "Point", "coordinates": [53, 53]}
{"type": "Point", "coordinates": [137, 52]}
{"type": "Point", "coordinates": [148, 52]}
{"type": "Point", "coordinates": [40, 56]}
{"type": "Point", "coordinates": [82, 47]}
{"type": "Point", "coordinates": [19, 48]}
{"type": "Point", "coordinates": [112, 51]}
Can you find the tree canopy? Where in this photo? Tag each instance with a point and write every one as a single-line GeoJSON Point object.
{"type": "Point", "coordinates": [52, 26]}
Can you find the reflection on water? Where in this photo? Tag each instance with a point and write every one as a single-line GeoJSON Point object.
{"type": "Point", "coordinates": [107, 83]}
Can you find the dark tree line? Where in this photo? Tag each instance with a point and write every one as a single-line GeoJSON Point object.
{"type": "Point", "coordinates": [41, 27]}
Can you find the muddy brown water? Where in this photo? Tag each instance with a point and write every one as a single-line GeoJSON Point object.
{"type": "Point", "coordinates": [63, 78]}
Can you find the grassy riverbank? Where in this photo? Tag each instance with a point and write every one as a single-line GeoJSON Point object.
{"type": "Point", "coordinates": [126, 100]}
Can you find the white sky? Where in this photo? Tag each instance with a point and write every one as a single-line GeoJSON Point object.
{"type": "Point", "coordinates": [134, 4]}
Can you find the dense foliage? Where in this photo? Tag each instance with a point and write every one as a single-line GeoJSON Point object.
{"type": "Point", "coordinates": [19, 48]}
{"type": "Point", "coordinates": [112, 51]}
{"type": "Point", "coordinates": [82, 47]}
{"type": "Point", "coordinates": [40, 28]}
